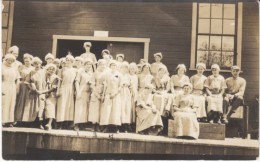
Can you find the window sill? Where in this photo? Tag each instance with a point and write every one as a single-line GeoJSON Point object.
{"type": "Point", "coordinates": [222, 71]}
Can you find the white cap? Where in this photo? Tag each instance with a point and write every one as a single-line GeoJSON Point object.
{"type": "Point", "coordinates": [187, 84]}
{"type": "Point", "coordinates": [13, 49]}
{"type": "Point", "coordinates": [101, 61]}
{"type": "Point", "coordinates": [36, 59]}
{"type": "Point", "coordinates": [215, 66]}
{"type": "Point", "coordinates": [87, 44]}
{"type": "Point", "coordinates": [113, 62]}
{"type": "Point", "coordinates": [50, 65]}
{"type": "Point", "coordinates": [235, 67]}
{"type": "Point", "coordinates": [9, 56]}
{"type": "Point", "coordinates": [88, 60]}
{"type": "Point", "coordinates": [181, 66]}
{"type": "Point", "coordinates": [48, 55]}
{"type": "Point", "coordinates": [158, 54]}
{"type": "Point", "coordinates": [105, 51]}
{"type": "Point", "coordinates": [70, 57]}
{"type": "Point", "coordinates": [120, 55]}
{"type": "Point", "coordinates": [78, 58]}
{"type": "Point", "coordinates": [201, 65]}
{"type": "Point", "coordinates": [27, 55]}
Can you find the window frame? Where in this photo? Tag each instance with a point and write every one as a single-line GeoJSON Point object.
{"type": "Point", "coordinates": [237, 36]}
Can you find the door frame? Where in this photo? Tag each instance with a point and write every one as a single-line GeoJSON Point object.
{"type": "Point", "coordinates": [146, 41]}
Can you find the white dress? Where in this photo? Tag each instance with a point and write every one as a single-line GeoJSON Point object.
{"type": "Point", "coordinates": [65, 103]}
{"type": "Point", "coordinates": [134, 96]}
{"type": "Point", "coordinates": [9, 76]}
{"type": "Point", "coordinates": [126, 99]}
{"type": "Point", "coordinates": [111, 110]}
{"type": "Point", "coordinates": [82, 103]}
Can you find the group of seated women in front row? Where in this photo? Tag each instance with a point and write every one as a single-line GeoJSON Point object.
{"type": "Point", "coordinates": [113, 95]}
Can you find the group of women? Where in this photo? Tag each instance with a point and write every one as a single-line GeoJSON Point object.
{"type": "Point", "coordinates": [111, 94]}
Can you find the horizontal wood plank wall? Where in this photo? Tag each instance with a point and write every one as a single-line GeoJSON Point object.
{"type": "Point", "coordinates": [167, 24]}
{"type": "Point", "coordinates": [250, 49]}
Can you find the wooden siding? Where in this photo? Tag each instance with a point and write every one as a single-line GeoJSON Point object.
{"type": "Point", "coordinates": [168, 25]}
{"type": "Point", "coordinates": [250, 49]}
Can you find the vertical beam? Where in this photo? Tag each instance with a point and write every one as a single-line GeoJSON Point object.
{"type": "Point", "coordinates": [193, 35]}
{"type": "Point", "coordinates": [239, 33]}
{"type": "Point", "coordinates": [146, 51]}
{"type": "Point", "coordinates": [54, 46]}
{"type": "Point", "coordinates": [10, 24]}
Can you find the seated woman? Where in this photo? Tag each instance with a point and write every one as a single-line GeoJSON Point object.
{"type": "Point", "coordinates": [185, 122]}
{"type": "Point", "coordinates": [148, 120]}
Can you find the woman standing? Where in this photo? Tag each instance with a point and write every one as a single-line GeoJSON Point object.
{"type": "Point", "coordinates": [50, 85]}
{"type": "Point", "coordinates": [134, 92]}
{"type": "Point", "coordinates": [185, 122]}
{"type": "Point", "coordinates": [34, 104]}
{"type": "Point", "coordinates": [66, 90]}
{"type": "Point", "coordinates": [49, 58]}
{"type": "Point", "coordinates": [148, 119]}
{"type": "Point", "coordinates": [154, 66]}
{"type": "Point", "coordinates": [110, 114]}
{"type": "Point", "coordinates": [125, 97]}
{"type": "Point", "coordinates": [197, 82]}
{"type": "Point", "coordinates": [97, 96]}
{"type": "Point", "coordinates": [145, 77]}
{"type": "Point", "coordinates": [20, 114]}
{"type": "Point", "coordinates": [82, 83]}
{"type": "Point", "coordinates": [10, 78]}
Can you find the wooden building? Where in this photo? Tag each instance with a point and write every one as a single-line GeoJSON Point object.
{"type": "Point", "coordinates": [139, 29]}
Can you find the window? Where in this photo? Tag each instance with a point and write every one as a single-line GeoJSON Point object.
{"type": "Point", "coordinates": [216, 35]}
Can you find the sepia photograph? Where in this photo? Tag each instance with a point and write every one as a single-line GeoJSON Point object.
{"type": "Point", "coordinates": [130, 80]}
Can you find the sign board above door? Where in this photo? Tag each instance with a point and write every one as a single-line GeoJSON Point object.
{"type": "Point", "coordinates": [100, 33]}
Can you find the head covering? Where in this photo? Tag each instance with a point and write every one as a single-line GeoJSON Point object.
{"type": "Point", "coordinates": [215, 66]}
{"type": "Point", "coordinates": [78, 58]}
{"type": "Point", "coordinates": [27, 55]}
{"type": "Point", "coordinates": [120, 55]}
{"type": "Point", "coordinates": [101, 61]}
{"type": "Point", "coordinates": [88, 60]}
{"type": "Point", "coordinates": [125, 64]}
{"type": "Point", "coordinates": [142, 60]}
{"type": "Point", "coordinates": [146, 64]}
{"type": "Point", "coordinates": [187, 84]}
{"type": "Point", "coordinates": [13, 49]}
{"type": "Point", "coordinates": [57, 60]}
{"type": "Point", "coordinates": [151, 86]}
{"type": "Point", "coordinates": [112, 62]}
{"type": "Point", "coordinates": [87, 44]}
{"type": "Point", "coordinates": [9, 56]}
{"type": "Point", "coordinates": [36, 59]}
{"type": "Point", "coordinates": [235, 67]}
{"type": "Point", "coordinates": [181, 66]}
{"type": "Point", "coordinates": [133, 65]}
{"type": "Point", "coordinates": [158, 54]}
{"type": "Point", "coordinates": [70, 57]}
{"type": "Point", "coordinates": [51, 65]}
{"type": "Point", "coordinates": [201, 65]}
{"type": "Point", "coordinates": [105, 51]}
{"type": "Point", "coordinates": [48, 55]}
{"type": "Point", "coordinates": [62, 60]}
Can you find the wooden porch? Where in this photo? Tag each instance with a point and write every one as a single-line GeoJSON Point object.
{"type": "Point", "coordinates": [30, 143]}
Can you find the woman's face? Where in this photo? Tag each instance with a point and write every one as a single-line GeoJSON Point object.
{"type": "Point", "coordinates": [88, 66]}
{"type": "Point", "coordinates": [161, 72]}
{"type": "Point", "coordinates": [113, 67]}
{"type": "Point", "coordinates": [200, 70]}
{"type": "Point", "coordinates": [120, 59]}
{"type": "Point", "coordinates": [63, 64]}
{"type": "Point", "coordinates": [37, 65]}
{"type": "Point", "coordinates": [78, 63]}
{"type": "Point", "coordinates": [69, 62]}
{"type": "Point", "coordinates": [132, 70]}
{"type": "Point", "coordinates": [27, 61]}
{"type": "Point", "coordinates": [146, 69]}
{"type": "Point", "coordinates": [87, 48]}
{"type": "Point", "coordinates": [215, 72]}
{"type": "Point", "coordinates": [50, 70]}
{"type": "Point", "coordinates": [56, 63]}
{"type": "Point", "coordinates": [125, 69]}
{"type": "Point", "coordinates": [186, 89]}
{"type": "Point", "coordinates": [181, 71]}
{"type": "Point", "coordinates": [102, 66]}
{"type": "Point", "coordinates": [49, 60]}
{"type": "Point", "coordinates": [157, 59]}
{"type": "Point", "coordinates": [9, 62]}
{"type": "Point", "coordinates": [139, 69]}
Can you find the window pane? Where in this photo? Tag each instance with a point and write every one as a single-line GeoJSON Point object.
{"type": "Point", "coordinates": [204, 25]}
{"type": "Point", "coordinates": [214, 58]}
{"type": "Point", "coordinates": [229, 11]}
{"type": "Point", "coordinates": [202, 57]}
{"type": "Point", "coordinates": [229, 27]}
{"type": "Point", "coordinates": [228, 44]}
{"type": "Point", "coordinates": [227, 59]}
{"type": "Point", "coordinates": [216, 10]}
{"type": "Point", "coordinates": [216, 26]}
{"type": "Point", "coordinates": [203, 42]}
{"type": "Point", "coordinates": [215, 43]}
{"type": "Point", "coordinates": [204, 10]}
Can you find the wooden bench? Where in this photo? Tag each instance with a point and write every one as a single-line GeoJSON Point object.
{"type": "Point", "coordinates": [207, 131]}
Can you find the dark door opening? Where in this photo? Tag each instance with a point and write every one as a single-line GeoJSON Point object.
{"type": "Point", "coordinates": [76, 47]}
